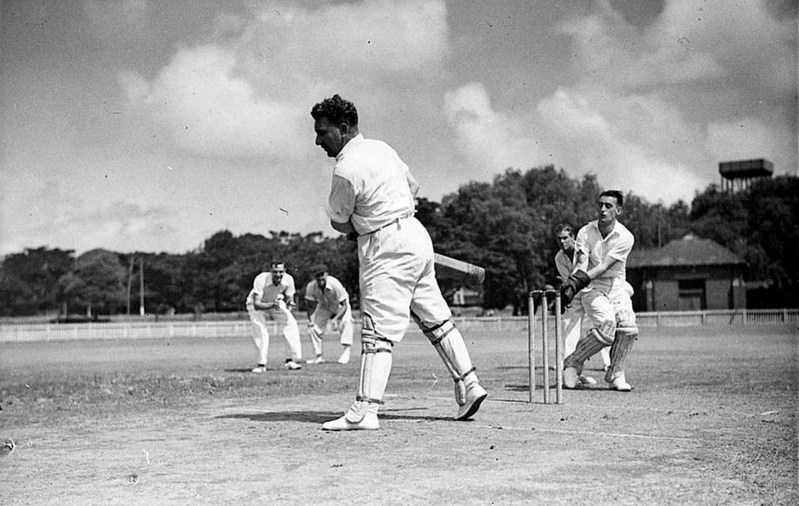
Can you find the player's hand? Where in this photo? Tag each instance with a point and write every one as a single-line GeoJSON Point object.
{"type": "Point", "coordinates": [572, 285]}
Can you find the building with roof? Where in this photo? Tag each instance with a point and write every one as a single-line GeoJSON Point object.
{"type": "Point", "coordinates": [687, 274]}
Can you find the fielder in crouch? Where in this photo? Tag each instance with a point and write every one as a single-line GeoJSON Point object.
{"type": "Point", "coordinates": [328, 302]}
{"type": "Point", "coordinates": [372, 197]}
{"type": "Point", "coordinates": [272, 297]}
{"type": "Point", "coordinates": [600, 268]}
{"type": "Point", "coordinates": [573, 316]}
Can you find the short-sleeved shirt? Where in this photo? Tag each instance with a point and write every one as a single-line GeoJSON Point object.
{"type": "Point", "coordinates": [617, 245]}
{"type": "Point", "coordinates": [333, 295]}
{"type": "Point", "coordinates": [264, 288]}
{"type": "Point", "coordinates": [370, 186]}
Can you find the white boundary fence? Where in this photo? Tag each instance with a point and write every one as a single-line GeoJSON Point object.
{"type": "Point", "coordinates": [32, 332]}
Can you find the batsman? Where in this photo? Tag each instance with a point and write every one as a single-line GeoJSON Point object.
{"type": "Point", "coordinates": [602, 248]}
{"type": "Point", "coordinates": [372, 197]}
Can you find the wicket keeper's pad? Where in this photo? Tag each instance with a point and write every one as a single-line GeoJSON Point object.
{"type": "Point", "coordinates": [472, 275]}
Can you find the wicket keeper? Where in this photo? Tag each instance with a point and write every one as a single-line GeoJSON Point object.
{"type": "Point", "coordinates": [602, 248]}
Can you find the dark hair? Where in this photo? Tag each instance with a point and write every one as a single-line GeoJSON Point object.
{"type": "Point", "coordinates": [319, 269]}
{"type": "Point", "coordinates": [564, 227]}
{"type": "Point", "coordinates": [275, 263]}
{"type": "Point", "coordinates": [616, 194]}
{"type": "Point", "coordinates": [336, 110]}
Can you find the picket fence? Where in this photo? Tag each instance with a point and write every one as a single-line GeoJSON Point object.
{"type": "Point", "coordinates": [34, 332]}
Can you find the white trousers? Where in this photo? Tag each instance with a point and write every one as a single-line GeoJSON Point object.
{"type": "Point", "coordinates": [320, 319]}
{"type": "Point", "coordinates": [397, 275]}
{"type": "Point", "coordinates": [286, 325]}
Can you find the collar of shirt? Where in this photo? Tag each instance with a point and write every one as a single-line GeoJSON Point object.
{"type": "Point", "coordinates": [352, 144]}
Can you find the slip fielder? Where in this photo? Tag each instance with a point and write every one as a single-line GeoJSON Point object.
{"type": "Point", "coordinates": [328, 302]}
{"type": "Point", "coordinates": [272, 297]}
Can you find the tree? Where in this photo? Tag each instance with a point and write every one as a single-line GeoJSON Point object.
{"type": "Point", "coordinates": [29, 280]}
{"type": "Point", "coordinates": [97, 282]}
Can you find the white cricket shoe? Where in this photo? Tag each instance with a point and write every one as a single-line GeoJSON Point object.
{"type": "Point", "coordinates": [345, 356]}
{"type": "Point", "coordinates": [587, 381]}
{"type": "Point", "coordinates": [259, 369]}
{"type": "Point", "coordinates": [475, 395]}
{"type": "Point", "coordinates": [619, 383]}
{"type": "Point", "coordinates": [292, 365]}
{"type": "Point", "coordinates": [360, 416]}
{"type": "Point", "coordinates": [570, 378]}
{"type": "Point", "coordinates": [318, 360]}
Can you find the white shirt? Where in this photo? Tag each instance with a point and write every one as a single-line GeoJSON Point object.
{"type": "Point", "coordinates": [370, 186]}
{"type": "Point", "coordinates": [617, 245]}
{"type": "Point", "coordinates": [333, 296]}
{"type": "Point", "coordinates": [266, 291]}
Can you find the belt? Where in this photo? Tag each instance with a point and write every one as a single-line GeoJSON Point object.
{"type": "Point", "coordinates": [392, 222]}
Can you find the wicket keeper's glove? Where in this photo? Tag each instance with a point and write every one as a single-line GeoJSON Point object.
{"type": "Point", "coordinates": [572, 285]}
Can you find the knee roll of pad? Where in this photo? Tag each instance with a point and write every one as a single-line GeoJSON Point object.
{"type": "Point", "coordinates": [625, 323]}
{"type": "Point", "coordinates": [605, 333]}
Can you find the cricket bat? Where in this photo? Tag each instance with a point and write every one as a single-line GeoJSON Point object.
{"type": "Point", "coordinates": [470, 274]}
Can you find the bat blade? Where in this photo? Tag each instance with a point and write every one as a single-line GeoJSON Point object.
{"type": "Point", "coordinates": [472, 275]}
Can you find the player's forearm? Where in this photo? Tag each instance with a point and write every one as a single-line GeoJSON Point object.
{"type": "Point", "coordinates": [601, 269]}
{"type": "Point", "coordinates": [344, 228]}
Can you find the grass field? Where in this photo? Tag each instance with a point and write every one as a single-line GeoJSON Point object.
{"type": "Point", "coordinates": [712, 420]}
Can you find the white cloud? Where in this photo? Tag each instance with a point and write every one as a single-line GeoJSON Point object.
{"type": "Point", "coordinates": [488, 141]}
{"type": "Point", "coordinates": [199, 102]}
{"type": "Point", "coordinates": [251, 96]}
{"type": "Point", "coordinates": [621, 140]}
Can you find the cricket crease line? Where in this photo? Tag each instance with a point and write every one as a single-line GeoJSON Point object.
{"type": "Point", "coordinates": [591, 433]}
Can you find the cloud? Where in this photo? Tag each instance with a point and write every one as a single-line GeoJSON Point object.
{"type": "Point", "coordinates": [55, 217]}
{"type": "Point", "coordinates": [744, 138]}
{"type": "Point", "coordinates": [249, 94]}
{"type": "Point", "coordinates": [205, 109]}
{"type": "Point", "coordinates": [625, 141]}
{"type": "Point", "coordinates": [487, 140]}
{"type": "Point", "coordinates": [635, 116]}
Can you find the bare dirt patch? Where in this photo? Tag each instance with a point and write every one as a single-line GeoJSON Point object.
{"type": "Point", "coordinates": [712, 420]}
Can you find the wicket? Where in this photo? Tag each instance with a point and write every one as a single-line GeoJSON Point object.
{"type": "Point", "coordinates": [544, 296]}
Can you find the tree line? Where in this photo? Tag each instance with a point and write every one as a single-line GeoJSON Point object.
{"type": "Point", "coordinates": [506, 226]}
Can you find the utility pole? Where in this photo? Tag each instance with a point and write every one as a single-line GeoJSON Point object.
{"type": "Point", "coordinates": [141, 285]}
{"type": "Point", "coordinates": [130, 280]}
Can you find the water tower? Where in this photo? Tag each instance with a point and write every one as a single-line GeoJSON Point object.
{"type": "Point", "coordinates": [740, 174]}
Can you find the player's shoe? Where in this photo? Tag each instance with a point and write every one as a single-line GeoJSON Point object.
{"type": "Point", "coordinates": [345, 356]}
{"type": "Point", "coordinates": [475, 396]}
{"type": "Point", "coordinates": [292, 365]}
{"type": "Point", "coordinates": [360, 416]}
{"type": "Point", "coordinates": [318, 360]}
{"type": "Point", "coordinates": [571, 379]}
{"type": "Point", "coordinates": [259, 369]}
{"type": "Point", "coordinates": [587, 381]}
{"type": "Point", "coordinates": [619, 383]}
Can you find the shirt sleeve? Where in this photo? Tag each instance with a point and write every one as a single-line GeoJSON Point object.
{"type": "Point", "coordinates": [341, 203]}
{"type": "Point", "coordinates": [620, 249]}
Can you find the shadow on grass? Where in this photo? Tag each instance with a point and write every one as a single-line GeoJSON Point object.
{"type": "Point", "coordinates": [318, 417]}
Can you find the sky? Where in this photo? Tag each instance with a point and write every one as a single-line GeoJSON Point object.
{"type": "Point", "coordinates": [143, 125]}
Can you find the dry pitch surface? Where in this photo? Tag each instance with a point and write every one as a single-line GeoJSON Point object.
{"type": "Point", "coordinates": [712, 420]}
